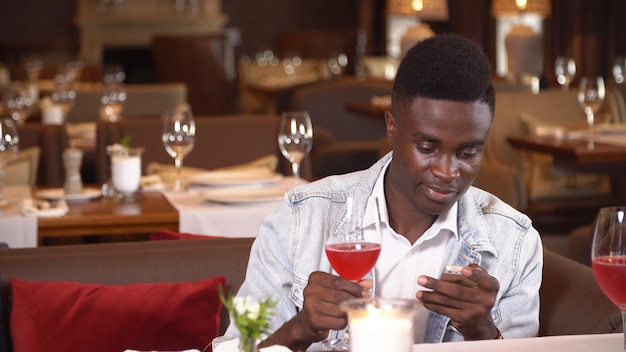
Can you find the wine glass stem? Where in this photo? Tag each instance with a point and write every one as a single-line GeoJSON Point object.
{"type": "Point", "coordinates": [295, 167]}
{"type": "Point", "coordinates": [2, 185]}
{"type": "Point", "coordinates": [624, 325]}
{"type": "Point", "coordinates": [178, 185]}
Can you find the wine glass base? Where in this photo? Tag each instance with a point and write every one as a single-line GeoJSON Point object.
{"type": "Point", "coordinates": [119, 197]}
{"type": "Point", "coordinates": [339, 344]}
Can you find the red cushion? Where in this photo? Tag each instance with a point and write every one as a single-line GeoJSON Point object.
{"type": "Point", "coordinates": [173, 235]}
{"type": "Point", "coordinates": [70, 316]}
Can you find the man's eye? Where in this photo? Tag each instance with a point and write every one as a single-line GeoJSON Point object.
{"type": "Point", "coordinates": [427, 147]}
{"type": "Point", "coordinates": [468, 153]}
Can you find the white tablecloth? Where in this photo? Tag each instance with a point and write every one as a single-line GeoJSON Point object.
{"type": "Point", "coordinates": [16, 230]}
{"type": "Point", "coordinates": [569, 343]}
{"type": "Point", "coordinates": [198, 216]}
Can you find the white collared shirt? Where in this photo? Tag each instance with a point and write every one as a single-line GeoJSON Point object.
{"type": "Point", "coordinates": [401, 263]}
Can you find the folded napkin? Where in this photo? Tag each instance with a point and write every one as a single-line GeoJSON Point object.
{"type": "Point", "coordinates": [43, 208]}
{"type": "Point", "coordinates": [167, 173]}
{"type": "Point", "coordinates": [537, 127]}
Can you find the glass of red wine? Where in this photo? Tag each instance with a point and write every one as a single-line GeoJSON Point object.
{"type": "Point", "coordinates": [608, 256]}
{"type": "Point", "coordinates": [352, 245]}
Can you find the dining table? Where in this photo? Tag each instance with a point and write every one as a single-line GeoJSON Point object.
{"type": "Point", "coordinates": [103, 216]}
{"type": "Point", "coordinates": [575, 155]}
{"type": "Point", "coordinates": [16, 230]}
{"type": "Point", "coordinates": [227, 211]}
{"type": "Point", "coordinates": [568, 343]}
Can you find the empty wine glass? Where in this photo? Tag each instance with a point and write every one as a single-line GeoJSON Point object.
{"type": "Point", "coordinates": [113, 94]}
{"type": "Point", "coordinates": [295, 138]}
{"type": "Point", "coordinates": [33, 68]}
{"type": "Point", "coordinates": [8, 151]}
{"type": "Point", "coordinates": [18, 102]}
{"type": "Point", "coordinates": [565, 69]}
{"type": "Point", "coordinates": [179, 131]}
{"type": "Point", "coordinates": [64, 93]}
{"type": "Point", "coordinates": [353, 244]}
{"type": "Point", "coordinates": [337, 64]}
{"type": "Point", "coordinates": [619, 69]}
{"type": "Point", "coordinates": [591, 94]}
{"type": "Point", "coordinates": [608, 256]}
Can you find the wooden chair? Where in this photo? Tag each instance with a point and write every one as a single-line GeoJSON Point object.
{"type": "Point", "coordinates": [205, 63]}
{"type": "Point", "coordinates": [571, 301]}
{"type": "Point", "coordinates": [52, 141]}
{"type": "Point", "coordinates": [352, 141]}
{"type": "Point", "coordinates": [142, 100]}
{"type": "Point", "coordinates": [23, 169]}
{"type": "Point", "coordinates": [221, 141]}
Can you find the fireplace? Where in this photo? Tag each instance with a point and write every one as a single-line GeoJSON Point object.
{"type": "Point", "coordinates": [133, 23]}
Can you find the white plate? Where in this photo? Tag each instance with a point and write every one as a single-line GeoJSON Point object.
{"type": "Point", "coordinates": [244, 195]}
{"type": "Point", "coordinates": [234, 178]}
{"type": "Point", "coordinates": [59, 193]}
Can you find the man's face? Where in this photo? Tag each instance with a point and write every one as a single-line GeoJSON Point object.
{"type": "Point", "coordinates": [437, 151]}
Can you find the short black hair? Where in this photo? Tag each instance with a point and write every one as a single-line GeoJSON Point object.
{"type": "Point", "coordinates": [445, 67]}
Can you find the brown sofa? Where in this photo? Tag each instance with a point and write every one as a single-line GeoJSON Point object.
{"type": "Point", "coordinates": [571, 302]}
{"type": "Point", "coordinates": [126, 263]}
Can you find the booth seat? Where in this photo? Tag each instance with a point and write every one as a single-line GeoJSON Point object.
{"type": "Point", "coordinates": [571, 302]}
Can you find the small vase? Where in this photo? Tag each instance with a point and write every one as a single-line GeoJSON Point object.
{"type": "Point", "coordinates": [248, 344]}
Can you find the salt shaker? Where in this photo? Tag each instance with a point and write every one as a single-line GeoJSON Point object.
{"type": "Point", "coordinates": [72, 159]}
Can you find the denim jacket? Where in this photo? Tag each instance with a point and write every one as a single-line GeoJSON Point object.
{"type": "Point", "coordinates": [290, 246]}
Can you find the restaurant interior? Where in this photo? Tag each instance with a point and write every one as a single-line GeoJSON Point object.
{"type": "Point", "coordinates": [81, 79]}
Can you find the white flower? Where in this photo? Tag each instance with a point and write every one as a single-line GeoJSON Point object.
{"type": "Point", "coordinates": [247, 306]}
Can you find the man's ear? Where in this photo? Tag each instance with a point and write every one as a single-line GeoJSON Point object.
{"type": "Point", "coordinates": [390, 122]}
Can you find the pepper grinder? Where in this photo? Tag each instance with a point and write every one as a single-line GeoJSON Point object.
{"type": "Point", "coordinates": [72, 160]}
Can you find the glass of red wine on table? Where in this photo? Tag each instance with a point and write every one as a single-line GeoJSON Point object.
{"type": "Point", "coordinates": [608, 256]}
{"type": "Point", "coordinates": [353, 243]}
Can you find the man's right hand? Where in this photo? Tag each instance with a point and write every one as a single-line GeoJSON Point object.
{"type": "Point", "coordinates": [320, 312]}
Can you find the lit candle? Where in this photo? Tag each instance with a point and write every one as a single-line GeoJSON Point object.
{"type": "Point", "coordinates": [376, 333]}
{"type": "Point", "coordinates": [381, 324]}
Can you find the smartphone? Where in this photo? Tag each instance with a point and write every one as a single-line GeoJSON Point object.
{"type": "Point", "coordinates": [452, 273]}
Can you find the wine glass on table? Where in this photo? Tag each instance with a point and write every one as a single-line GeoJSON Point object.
{"type": "Point", "coordinates": [565, 69]}
{"type": "Point", "coordinates": [8, 151]}
{"type": "Point", "coordinates": [18, 103]}
{"type": "Point", "coordinates": [591, 94]}
{"type": "Point", "coordinates": [179, 131]}
{"type": "Point", "coordinates": [608, 256]}
{"type": "Point", "coordinates": [352, 245]}
{"type": "Point", "coordinates": [295, 138]}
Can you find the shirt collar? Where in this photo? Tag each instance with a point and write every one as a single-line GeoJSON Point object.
{"type": "Point", "coordinates": [445, 221]}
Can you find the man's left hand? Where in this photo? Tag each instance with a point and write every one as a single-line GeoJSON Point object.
{"type": "Point", "coordinates": [469, 308]}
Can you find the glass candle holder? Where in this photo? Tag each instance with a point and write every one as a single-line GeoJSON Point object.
{"type": "Point", "coordinates": [381, 324]}
{"type": "Point", "coordinates": [125, 172]}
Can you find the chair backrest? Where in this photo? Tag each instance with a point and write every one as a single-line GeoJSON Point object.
{"type": "Point", "coordinates": [220, 141]}
{"type": "Point", "coordinates": [326, 103]}
{"type": "Point", "coordinates": [142, 100]}
{"type": "Point", "coordinates": [571, 301]}
{"type": "Point", "coordinates": [52, 141]}
{"type": "Point", "coordinates": [323, 43]}
{"type": "Point", "coordinates": [23, 169]}
{"type": "Point", "coordinates": [205, 63]}
{"type": "Point", "coordinates": [551, 107]}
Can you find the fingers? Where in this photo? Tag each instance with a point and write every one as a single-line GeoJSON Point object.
{"type": "Point", "coordinates": [468, 307]}
{"type": "Point", "coordinates": [322, 296]}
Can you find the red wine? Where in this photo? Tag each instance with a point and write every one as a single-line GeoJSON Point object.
{"type": "Point", "coordinates": [352, 260]}
{"type": "Point", "coordinates": [610, 273]}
